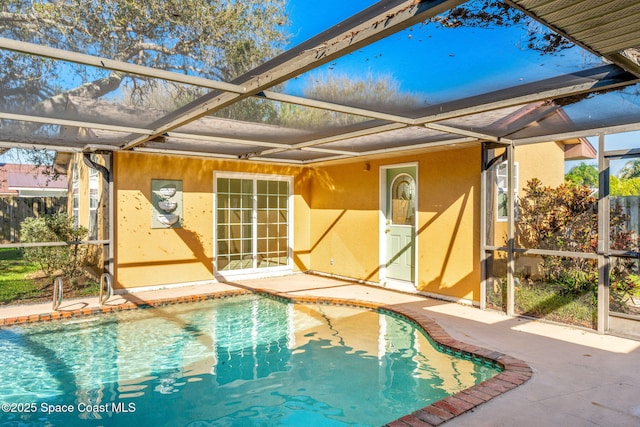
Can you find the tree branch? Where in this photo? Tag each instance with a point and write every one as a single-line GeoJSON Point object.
{"type": "Point", "coordinates": [30, 19]}
{"type": "Point", "coordinates": [95, 89]}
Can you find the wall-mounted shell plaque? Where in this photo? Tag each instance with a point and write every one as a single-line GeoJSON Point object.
{"type": "Point", "coordinates": [166, 200]}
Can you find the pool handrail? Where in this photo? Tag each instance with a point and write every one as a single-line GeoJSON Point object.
{"type": "Point", "coordinates": [105, 294]}
{"type": "Point", "coordinates": [57, 293]}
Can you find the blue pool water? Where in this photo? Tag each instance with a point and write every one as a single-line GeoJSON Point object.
{"type": "Point", "coordinates": [243, 361]}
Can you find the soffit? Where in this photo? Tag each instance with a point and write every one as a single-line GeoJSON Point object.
{"type": "Point", "coordinates": [608, 28]}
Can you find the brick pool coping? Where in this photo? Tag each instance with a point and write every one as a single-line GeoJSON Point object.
{"type": "Point", "coordinates": [514, 373]}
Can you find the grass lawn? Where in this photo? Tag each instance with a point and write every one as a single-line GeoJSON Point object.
{"type": "Point", "coordinates": [20, 282]}
{"type": "Point", "coordinates": [545, 301]}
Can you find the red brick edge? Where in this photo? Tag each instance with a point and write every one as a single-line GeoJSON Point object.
{"type": "Point", "coordinates": [514, 373]}
{"type": "Point", "coordinates": [67, 314]}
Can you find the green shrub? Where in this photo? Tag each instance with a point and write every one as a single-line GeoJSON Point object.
{"type": "Point", "coordinates": [565, 218]}
{"type": "Point", "coordinates": [576, 282]}
{"type": "Point", "coordinates": [68, 259]}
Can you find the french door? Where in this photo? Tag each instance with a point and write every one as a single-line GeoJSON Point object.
{"type": "Point", "coordinates": [252, 223]}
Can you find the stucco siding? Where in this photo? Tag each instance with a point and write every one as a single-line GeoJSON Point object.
{"type": "Point", "coordinates": [337, 222]}
{"type": "Point", "coordinates": [147, 256]}
{"type": "Point", "coordinates": [449, 221]}
{"type": "Point", "coordinates": [345, 221]}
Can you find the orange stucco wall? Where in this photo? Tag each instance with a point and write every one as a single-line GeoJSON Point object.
{"type": "Point", "coordinates": [148, 256]}
{"type": "Point", "coordinates": [83, 183]}
{"type": "Point", "coordinates": [336, 217]}
{"type": "Point", "coordinates": [449, 223]}
{"type": "Point", "coordinates": [345, 221]}
{"type": "Point", "coordinates": [544, 161]}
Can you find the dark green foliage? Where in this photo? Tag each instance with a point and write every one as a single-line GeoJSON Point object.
{"type": "Point", "coordinates": [566, 219]}
{"type": "Point", "coordinates": [583, 174]}
{"type": "Point", "coordinates": [67, 259]}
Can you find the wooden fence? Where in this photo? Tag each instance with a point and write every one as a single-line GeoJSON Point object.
{"type": "Point", "coordinates": [14, 210]}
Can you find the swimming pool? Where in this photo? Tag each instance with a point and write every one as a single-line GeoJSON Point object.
{"type": "Point", "coordinates": [239, 361]}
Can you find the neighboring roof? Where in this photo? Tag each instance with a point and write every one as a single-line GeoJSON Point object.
{"type": "Point", "coordinates": [19, 177]}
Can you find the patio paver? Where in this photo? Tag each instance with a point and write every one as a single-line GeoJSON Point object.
{"type": "Point", "coordinates": [580, 378]}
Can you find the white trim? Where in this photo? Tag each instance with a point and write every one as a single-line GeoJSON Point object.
{"type": "Point", "coordinates": [38, 193]}
{"type": "Point", "coordinates": [40, 189]}
{"type": "Point", "coordinates": [93, 184]}
{"type": "Point", "coordinates": [254, 272]}
{"type": "Point", "coordinates": [75, 194]}
{"type": "Point", "coordinates": [382, 224]}
{"type": "Point", "coordinates": [127, 291]}
{"type": "Point", "coordinates": [516, 184]}
{"type": "Point", "coordinates": [247, 274]}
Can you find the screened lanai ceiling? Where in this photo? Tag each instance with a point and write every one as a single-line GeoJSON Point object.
{"type": "Point", "coordinates": [395, 76]}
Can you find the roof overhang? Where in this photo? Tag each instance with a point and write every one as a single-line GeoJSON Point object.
{"type": "Point", "coordinates": [606, 28]}
{"type": "Point", "coordinates": [579, 149]}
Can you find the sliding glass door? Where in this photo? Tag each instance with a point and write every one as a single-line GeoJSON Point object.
{"type": "Point", "coordinates": [252, 222]}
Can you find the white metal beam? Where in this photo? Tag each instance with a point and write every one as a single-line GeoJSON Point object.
{"type": "Point", "coordinates": [225, 140]}
{"type": "Point", "coordinates": [374, 23]}
{"type": "Point", "coordinates": [584, 133]}
{"type": "Point", "coordinates": [112, 65]}
{"type": "Point", "coordinates": [596, 79]}
{"type": "Point", "coordinates": [73, 123]}
{"type": "Point", "coordinates": [38, 146]}
{"type": "Point", "coordinates": [464, 132]}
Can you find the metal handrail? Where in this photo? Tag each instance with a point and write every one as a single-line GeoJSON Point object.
{"type": "Point", "coordinates": [57, 293]}
{"type": "Point", "coordinates": [105, 294]}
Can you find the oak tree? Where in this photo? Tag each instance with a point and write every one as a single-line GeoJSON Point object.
{"type": "Point", "coordinates": [219, 40]}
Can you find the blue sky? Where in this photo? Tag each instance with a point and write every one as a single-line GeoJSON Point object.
{"type": "Point", "coordinates": [439, 64]}
{"type": "Point", "coordinates": [433, 63]}
{"type": "Point", "coordinates": [444, 64]}
{"type": "Point", "coordinates": [308, 19]}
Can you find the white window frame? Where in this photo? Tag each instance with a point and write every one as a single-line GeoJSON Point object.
{"type": "Point", "coordinates": [94, 184]}
{"type": "Point", "coordinates": [254, 271]}
{"type": "Point", "coordinates": [502, 187]}
{"type": "Point", "coordinates": [75, 195]}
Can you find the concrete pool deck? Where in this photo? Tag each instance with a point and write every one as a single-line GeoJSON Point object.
{"type": "Point", "coordinates": [580, 378]}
